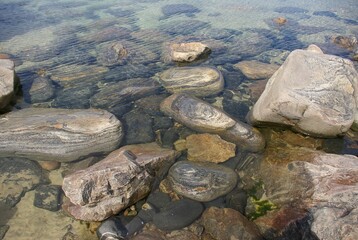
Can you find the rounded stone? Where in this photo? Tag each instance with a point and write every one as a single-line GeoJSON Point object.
{"type": "Point", "coordinates": [178, 214]}
{"type": "Point", "coordinates": [201, 181]}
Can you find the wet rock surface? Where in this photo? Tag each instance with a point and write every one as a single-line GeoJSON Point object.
{"type": "Point", "coordinates": [122, 178]}
{"type": "Point", "coordinates": [17, 176]}
{"type": "Point", "coordinates": [41, 90]}
{"type": "Point", "coordinates": [187, 52]}
{"type": "Point", "coordinates": [233, 225]}
{"type": "Point", "coordinates": [197, 81]}
{"type": "Point", "coordinates": [256, 70]}
{"type": "Point", "coordinates": [138, 128]}
{"type": "Point", "coordinates": [201, 116]}
{"type": "Point", "coordinates": [7, 82]}
{"type": "Point", "coordinates": [313, 93]}
{"type": "Point", "coordinates": [112, 54]}
{"type": "Point", "coordinates": [58, 134]}
{"type": "Point", "coordinates": [175, 9]}
{"type": "Point", "coordinates": [201, 181]}
{"type": "Point", "coordinates": [48, 197]}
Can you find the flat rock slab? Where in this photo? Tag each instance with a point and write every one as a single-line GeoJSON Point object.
{"type": "Point", "coordinates": [113, 95]}
{"type": "Point", "coordinates": [197, 81]}
{"type": "Point", "coordinates": [209, 148]}
{"type": "Point", "coordinates": [202, 117]}
{"type": "Point", "coordinates": [201, 181]}
{"type": "Point", "coordinates": [124, 177]}
{"type": "Point", "coordinates": [314, 93]}
{"type": "Point", "coordinates": [7, 82]}
{"type": "Point", "coordinates": [256, 70]}
{"type": "Point", "coordinates": [62, 135]}
{"type": "Point", "coordinates": [226, 223]}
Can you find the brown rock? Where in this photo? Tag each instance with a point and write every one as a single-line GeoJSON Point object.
{"type": "Point", "coordinates": [280, 20]}
{"type": "Point", "coordinates": [188, 52]}
{"type": "Point", "coordinates": [347, 42]}
{"type": "Point", "coordinates": [121, 179]}
{"type": "Point", "coordinates": [227, 224]}
{"type": "Point", "coordinates": [49, 165]}
{"type": "Point", "coordinates": [209, 148]}
{"type": "Point", "coordinates": [256, 70]}
{"type": "Point", "coordinates": [256, 89]}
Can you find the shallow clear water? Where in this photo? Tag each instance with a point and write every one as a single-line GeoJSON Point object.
{"type": "Point", "coordinates": [62, 39]}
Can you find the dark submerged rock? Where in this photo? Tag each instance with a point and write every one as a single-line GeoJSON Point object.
{"type": "Point", "coordinates": [41, 90]}
{"type": "Point", "coordinates": [178, 214]}
{"type": "Point", "coordinates": [175, 9]}
{"type": "Point", "coordinates": [138, 128]}
{"type": "Point", "coordinates": [48, 197]}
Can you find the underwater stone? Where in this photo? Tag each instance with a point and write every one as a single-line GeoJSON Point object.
{"type": "Point", "coordinates": [121, 179]}
{"type": "Point", "coordinates": [256, 70]}
{"type": "Point", "coordinates": [48, 197]}
{"type": "Point", "coordinates": [174, 9]}
{"type": "Point", "coordinates": [201, 116]}
{"type": "Point", "coordinates": [187, 52]}
{"type": "Point", "coordinates": [197, 81]}
{"type": "Point", "coordinates": [112, 54]}
{"type": "Point", "coordinates": [62, 135]}
{"type": "Point", "coordinates": [201, 181]}
{"type": "Point", "coordinates": [41, 90]}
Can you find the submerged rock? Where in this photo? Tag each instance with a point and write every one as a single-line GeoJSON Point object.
{"type": "Point", "coordinates": [48, 197]}
{"type": "Point", "coordinates": [201, 181]}
{"type": "Point", "coordinates": [112, 54]}
{"type": "Point", "coordinates": [197, 81]}
{"type": "Point", "coordinates": [121, 179]}
{"type": "Point", "coordinates": [209, 148]}
{"type": "Point", "coordinates": [41, 90]}
{"type": "Point", "coordinates": [314, 93]}
{"type": "Point", "coordinates": [175, 9]}
{"type": "Point", "coordinates": [226, 223]}
{"type": "Point", "coordinates": [201, 116]}
{"type": "Point", "coordinates": [187, 52]}
{"type": "Point", "coordinates": [7, 82]}
{"type": "Point", "coordinates": [17, 176]}
{"type": "Point", "coordinates": [256, 70]}
{"type": "Point", "coordinates": [62, 135]}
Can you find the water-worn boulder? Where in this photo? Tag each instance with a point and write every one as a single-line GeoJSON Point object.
{"type": "Point", "coordinates": [114, 96]}
{"type": "Point", "coordinates": [7, 82]}
{"type": "Point", "coordinates": [233, 225]}
{"type": "Point", "coordinates": [201, 181]}
{"type": "Point", "coordinates": [186, 52]}
{"type": "Point", "coordinates": [314, 93]}
{"type": "Point", "coordinates": [209, 148]}
{"type": "Point", "coordinates": [121, 179]}
{"type": "Point", "coordinates": [112, 54]}
{"type": "Point", "coordinates": [62, 135]}
{"type": "Point", "coordinates": [256, 70]}
{"type": "Point", "coordinates": [41, 90]}
{"type": "Point", "coordinates": [202, 117]}
{"type": "Point", "coordinates": [197, 81]}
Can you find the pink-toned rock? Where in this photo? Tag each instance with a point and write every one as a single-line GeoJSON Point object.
{"type": "Point", "coordinates": [256, 70]}
{"type": "Point", "coordinates": [121, 179]}
{"type": "Point", "coordinates": [49, 165]}
{"type": "Point", "coordinates": [209, 148]}
{"type": "Point", "coordinates": [7, 82]}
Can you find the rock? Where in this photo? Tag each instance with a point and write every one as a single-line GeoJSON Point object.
{"type": "Point", "coordinates": [138, 128]}
{"type": "Point", "coordinates": [314, 192]}
{"type": "Point", "coordinates": [226, 223]}
{"type": "Point", "coordinates": [201, 181]}
{"type": "Point", "coordinates": [274, 56]}
{"type": "Point", "coordinates": [48, 197]}
{"type": "Point", "coordinates": [202, 117]}
{"type": "Point", "coordinates": [349, 43]}
{"type": "Point", "coordinates": [280, 20]}
{"type": "Point", "coordinates": [178, 214]}
{"type": "Point", "coordinates": [256, 70]}
{"type": "Point", "coordinates": [112, 228]}
{"type": "Point", "coordinates": [62, 135]}
{"type": "Point", "coordinates": [237, 200]}
{"type": "Point", "coordinates": [175, 9]}
{"type": "Point", "coordinates": [187, 52]}
{"type": "Point", "coordinates": [197, 81]}
{"type": "Point", "coordinates": [17, 176]}
{"type": "Point", "coordinates": [314, 48]}
{"type": "Point", "coordinates": [49, 165]}
{"type": "Point", "coordinates": [7, 82]}
{"type": "Point", "coordinates": [3, 230]}
{"type": "Point", "coordinates": [256, 89]}
{"type": "Point", "coordinates": [112, 54]}
{"type": "Point", "coordinates": [113, 96]}
{"type": "Point", "coordinates": [150, 233]}
{"type": "Point", "coordinates": [41, 90]}
{"type": "Point", "coordinates": [209, 148]}
{"type": "Point", "coordinates": [181, 235]}
{"type": "Point", "coordinates": [118, 181]}
{"type": "Point", "coordinates": [314, 93]}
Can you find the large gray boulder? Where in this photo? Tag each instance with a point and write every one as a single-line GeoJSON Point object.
{"type": "Point", "coordinates": [124, 177]}
{"type": "Point", "coordinates": [62, 135]}
{"type": "Point", "coordinates": [7, 82]}
{"type": "Point", "coordinates": [203, 117]}
{"type": "Point", "coordinates": [312, 92]}
{"type": "Point", "coordinates": [197, 81]}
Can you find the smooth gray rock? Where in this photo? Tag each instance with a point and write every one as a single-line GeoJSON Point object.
{"type": "Point", "coordinates": [138, 128]}
{"type": "Point", "coordinates": [201, 181]}
{"type": "Point", "coordinates": [121, 179]}
{"type": "Point", "coordinates": [62, 135]}
{"type": "Point", "coordinates": [202, 117]}
{"type": "Point", "coordinates": [112, 54]}
{"type": "Point", "coordinates": [314, 93]}
{"type": "Point", "coordinates": [41, 90]}
{"type": "Point", "coordinates": [186, 52]}
{"type": "Point", "coordinates": [112, 96]}
{"type": "Point", "coordinates": [7, 82]}
{"type": "Point", "coordinates": [197, 81]}
{"type": "Point", "coordinates": [17, 176]}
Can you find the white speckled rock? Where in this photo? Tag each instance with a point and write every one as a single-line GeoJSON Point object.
{"type": "Point", "coordinates": [197, 81]}
{"type": "Point", "coordinates": [62, 135]}
{"type": "Point", "coordinates": [314, 93]}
